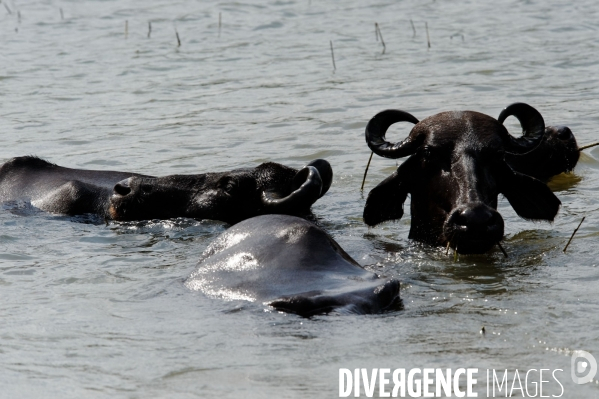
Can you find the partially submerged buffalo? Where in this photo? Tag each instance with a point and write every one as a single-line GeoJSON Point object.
{"type": "Point", "coordinates": [557, 151]}
{"type": "Point", "coordinates": [455, 171]}
{"type": "Point", "coordinates": [292, 265]}
{"type": "Point", "coordinates": [226, 196]}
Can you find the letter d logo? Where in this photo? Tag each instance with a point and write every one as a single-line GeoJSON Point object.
{"type": "Point", "coordinates": [583, 362]}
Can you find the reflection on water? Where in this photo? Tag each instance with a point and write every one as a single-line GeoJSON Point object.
{"type": "Point", "coordinates": [103, 310]}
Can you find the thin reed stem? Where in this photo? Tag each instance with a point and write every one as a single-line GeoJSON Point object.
{"type": "Point", "coordinates": [572, 236]}
{"type": "Point", "coordinates": [366, 171]}
{"type": "Point", "coordinates": [428, 39]}
{"type": "Point", "coordinates": [502, 250]}
{"type": "Point", "coordinates": [380, 34]}
{"type": "Point", "coordinates": [584, 147]}
{"type": "Point", "coordinates": [333, 55]}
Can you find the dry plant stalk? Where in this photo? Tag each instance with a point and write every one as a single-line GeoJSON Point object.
{"type": "Point", "coordinates": [380, 34]}
{"type": "Point", "coordinates": [572, 236]}
{"type": "Point", "coordinates": [366, 171]}
{"type": "Point", "coordinates": [584, 147]}
{"type": "Point", "coordinates": [333, 55]}
{"type": "Point", "coordinates": [428, 39]}
{"type": "Point", "coordinates": [502, 250]}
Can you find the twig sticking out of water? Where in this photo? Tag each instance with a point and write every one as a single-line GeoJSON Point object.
{"type": "Point", "coordinates": [19, 16]}
{"type": "Point", "coordinates": [61, 14]}
{"type": "Point", "coordinates": [413, 28]}
{"type": "Point", "coordinates": [584, 147]}
{"type": "Point", "coordinates": [366, 171]}
{"type": "Point", "coordinates": [455, 251]}
{"type": "Point", "coordinates": [219, 23]}
{"type": "Point", "coordinates": [7, 9]}
{"type": "Point", "coordinates": [571, 237]}
{"type": "Point", "coordinates": [502, 250]}
{"type": "Point", "coordinates": [149, 29]}
{"type": "Point", "coordinates": [428, 39]}
{"type": "Point", "coordinates": [333, 55]}
{"type": "Point", "coordinates": [126, 29]}
{"type": "Point", "coordinates": [376, 26]}
{"type": "Point", "coordinates": [449, 244]}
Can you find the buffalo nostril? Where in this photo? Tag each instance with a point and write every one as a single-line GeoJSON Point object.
{"type": "Point", "coordinates": [122, 189]}
{"type": "Point", "coordinates": [474, 216]}
{"type": "Point", "coordinates": [476, 220]}
{"type": "Point", "coordinates": [564, 133]}
{"type": "Point", "coordinates": [474, 228]}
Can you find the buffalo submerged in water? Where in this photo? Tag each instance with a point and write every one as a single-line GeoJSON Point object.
{"type": "Point", "coordinates": [227, 196]}
{"type": "Point", "coordinates": [292, 265]}
{"type": "Point", "coordinates": [455, 170]}
{"type": "Point", "coordinates": [557, 152]}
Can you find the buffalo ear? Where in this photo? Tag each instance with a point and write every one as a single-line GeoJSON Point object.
{"type": "Point", "coordinates": [530, 198]}
{"type": "Point", "coordinates": [385, 201]}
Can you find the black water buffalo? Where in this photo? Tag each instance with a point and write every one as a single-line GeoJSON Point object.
{"type": "Point", "coordinates": [455, 171]}
{"type": "Point", "coordinates": [556, 153]}
{"type": "Point", "coordinates": [227, 196]}
{"type": "Point", "coordinates": [292, 265]}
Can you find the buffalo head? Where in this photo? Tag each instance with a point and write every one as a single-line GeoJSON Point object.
{"type": "Point", "coordinates": [229, 196]}
{"type": "Point", "coordinates": [556, 153]}
{"type": "Point", "coordinates": [455, 171]}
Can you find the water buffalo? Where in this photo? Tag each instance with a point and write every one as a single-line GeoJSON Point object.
{"type": "Point", "coordinates": [227, 196]}
{"type": "Point", "coordinates": [292, 265]}
{"type": "Point", "coordinates": [556, 153]}
{"type": "Point", "coordinates": [455, 171]}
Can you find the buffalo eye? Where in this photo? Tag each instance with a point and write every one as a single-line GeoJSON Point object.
{"type": "Point", "coordinates": [436, 158]}
{"type": "Point", "coordinates": [426, 155]}
{"type": "Point", "coordinates": [227, 185]}
{"type": "Point", "coordinates": [146, 188]}
{"type": "Point", "coordinates": [427, 152]}
{"type": "Point", "coordinates": [230, 187]}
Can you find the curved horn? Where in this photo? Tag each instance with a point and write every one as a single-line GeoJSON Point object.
{"type": "Point", "coordinates": [377, 127]}
{"type": "Point", "coordinates": [301, 198]}
{"type": "Point", "coordinates": [533, 127]}
{"type": "Point", "coordinates": [326, 174]}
